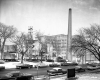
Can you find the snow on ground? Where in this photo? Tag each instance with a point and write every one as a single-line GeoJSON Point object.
{"type": "Point", "coordinates": [47, 63]}
{"type": "Point", "coordinates": [57, 63]}
{"type": "Point", "coordinates": [9, 65]}
{"type": "Point", "coordinates": [31, 63]}
{"type": "Point", "coordinates": [61, 78]}
{"type": "Point", "coordinates": [13, 64]}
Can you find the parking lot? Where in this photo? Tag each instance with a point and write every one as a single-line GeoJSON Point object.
{"type": "Point", "coordinates": [90, 73]}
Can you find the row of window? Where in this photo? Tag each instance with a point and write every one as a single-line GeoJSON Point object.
{"type": "Point", "coordinates": [62, 40]}
{"type": "Point", "coordinates": [62, 43]}
{"type": "Point", "coordinates": [62, 46]}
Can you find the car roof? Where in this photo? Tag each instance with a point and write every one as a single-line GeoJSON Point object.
{"type": "Point", "coordinates": [57, 68]}
{"type": "Point", "coordinates": [78, 66]}
{"type": "Point", "coordinates": [14, 72]}
{"type": "Point", "coordinates": [23, 64]}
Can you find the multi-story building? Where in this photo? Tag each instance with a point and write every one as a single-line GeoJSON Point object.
{"type": "Point", "coordinates": [57, 45]}
{"type": "Point", "coordinates": [62, 45]}
{"type": "Point", "coordinates": [10, 50]}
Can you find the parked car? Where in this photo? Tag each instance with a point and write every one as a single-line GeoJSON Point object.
{"type": "Point", "coordinates": [20, 66]}
{"type": "Point", "coordinates": [98, 65]}
{"type": "Point", "coordinates": [90, 67]}
{"type": "Point", "coordinates": [56, 71]}
{"type": "Point", "coordinates": [49, 60]}
{"type": "Point", "coordinates": [72, 63]}
{"type": "Point", "coordinates": [41, 60]}
{"type": "Point", "coordinates": [58, 63]}
{"type": "Point", "coordinates": [69, 64]}
{"type": "Point", "coordinates": [40, 65]}
{"type": "Point", "coordinates": [65, 64]}
{"type": "Point", "coordinates": [2, 61]}
{"type": "Point", "coordinates": [17, 75]}
{"type": "Point", "coordinates": [61, 60]}
{"type": "Point", "coordinates": [91, 64]}
{"type": "Point", "coordinates": [32, 60]}
{"type": "Point", "coordinates": [79, 69]}
{"type": "Point", "coordinates": [2, 67]}
{"type": "Point", "coordinates": [10, 60]}
{"type": "Point", "coordinates": [54, 65]}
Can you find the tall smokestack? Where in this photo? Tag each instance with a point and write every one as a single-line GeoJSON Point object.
{"type": "Point", "coordinates": [69, 37]}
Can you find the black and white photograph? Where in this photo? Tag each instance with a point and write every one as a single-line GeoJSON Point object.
{"type": "Point", "coordinates": [49, 39]}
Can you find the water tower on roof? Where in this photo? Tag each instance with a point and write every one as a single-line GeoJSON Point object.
{"type": "Point", "coordinates": [30, 35]}
{"type": "Point", "coordinates": [30, 32]}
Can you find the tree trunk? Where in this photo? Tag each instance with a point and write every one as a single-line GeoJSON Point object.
{"type": "Point", "coordinates": [81, 59]}
{"type": "Point", "coordinates": [41, 57]}
{"type": "Point", "coordinates": [99, 59]}
{"type": "Point", "coordinates": [22, 58]}
{"type": "Point", "coordinates": [2, 49]}
{"type": "Point", "coordinates": [17, 55]}
{"type": "Point", "coordinates": [37, 57]}
{"type": "Point", "coordinates": [2, 54]}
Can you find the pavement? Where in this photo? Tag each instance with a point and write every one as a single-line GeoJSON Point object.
{"type": "Point", "coordinates": [78, 77]}
{"type": "Point", "coordinates": [84, 76]}
{"type": "Point", "coordinates": [92, 75]}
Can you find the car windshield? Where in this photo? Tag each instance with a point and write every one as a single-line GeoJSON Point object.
{"type": "Point", "coordinates": [13, 74]}
{"type": "Point", "coordinates": [1, 62]}
{"type": "Point", "coordinates": [78, 66]}
{"type": "Point", "coordinates": [57, 68]}
{"type": "Point", "coordinates": [53, 70]}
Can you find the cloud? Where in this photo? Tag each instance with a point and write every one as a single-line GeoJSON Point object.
{"type": "Point", "coordinates": [93, 8]}
{"type": "Point", "coordinates": [95, 4]}
{"type": "Point", "coordinates": [80, 2]}
{"type": "Point", "coordinates": [86, 5]}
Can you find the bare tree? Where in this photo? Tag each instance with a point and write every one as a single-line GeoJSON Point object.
{"type": "Point", "coordinates": [6, 32]}
{"type": "Point", "coordinates": [23, 44]}
{"type": "Point", "coordinates": [88, 40]}
{"type": "Point", "coordinates": [43, 46]}
{"type": "Point", "coordinates": [54, 42]}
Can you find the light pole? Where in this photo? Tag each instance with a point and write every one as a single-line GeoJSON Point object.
{"type": "Point", "coordinates": [37, 70]}
{"type": "Point", "coordinates": [0, 49]}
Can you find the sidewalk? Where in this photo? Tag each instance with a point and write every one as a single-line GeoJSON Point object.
{"type": "Point", "coordinates": [86, 76]}
{"type": "Point", "coordinates": [81, 77]}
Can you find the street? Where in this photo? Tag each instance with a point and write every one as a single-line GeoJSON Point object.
{"type": "Point", "coordinates": [94, 75]}
{"type": "Point", "coordinates": [41, 71]}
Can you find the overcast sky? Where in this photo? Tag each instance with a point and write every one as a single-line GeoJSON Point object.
{"type": "Point", "coordinates": [49, 16]}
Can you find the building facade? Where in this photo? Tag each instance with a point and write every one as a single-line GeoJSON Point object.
{"type": "Point", "coordinates": [10, 51]}
{"type": "Point", "coordinates": [57, 45]}
{"type": "Point", "coordinates": [62, 45]}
